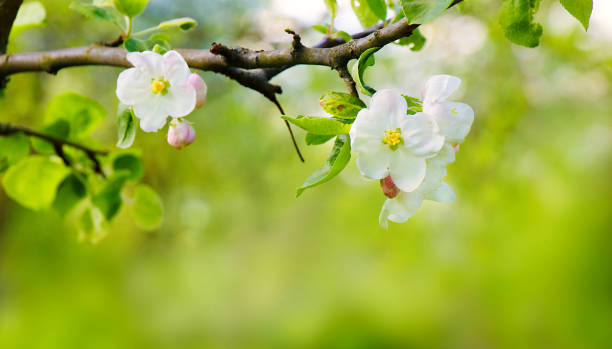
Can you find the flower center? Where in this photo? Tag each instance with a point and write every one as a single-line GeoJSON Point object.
{"type": "Point", "coordinates": [159, 86]}
{"type": "Point", "coordinates": [393, 138]}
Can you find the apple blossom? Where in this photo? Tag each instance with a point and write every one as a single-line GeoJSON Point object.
{"type": "Point", "coordinates": [404, 204]}
{"type": "Point", "coordinates": [201, 89]}
{"type": "Point", "coordinates": [454, 119]}
{"type": "Point", "coordinates": [388, 141]}
{"type": "Point", "coordinates": [180, 133]}
{"type": "Point", "coordinates": [157, 87]}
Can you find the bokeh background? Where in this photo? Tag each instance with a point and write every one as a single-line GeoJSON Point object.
{"type": "Point", "coordinates": [522, 259]}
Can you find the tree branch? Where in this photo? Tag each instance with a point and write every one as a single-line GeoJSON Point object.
{"type": "Point", "coordinates": [58, 143]}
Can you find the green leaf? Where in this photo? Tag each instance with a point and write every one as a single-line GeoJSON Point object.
{"type": "Point", "coordinates": [130, 8]}
{"type": "Point", "coordinates": [94, 11]}
{"type": "Point", "coordinates": [516, 20]}
{"type": "Point", "coordinates": [129, 163]}
{"type": "Point", "coordinates": [82, 113]}
{"type": "Point", "coordinates": [126, 129]}
{"type": "Point", "coordinates": [135, 45]}
{"type": "Point", "coordinates": [337, 161]}
{"type": "Point", "coordinates": [378, 7]}
{"type": "Point", "coordinates": [414, 105]}
{"type": "Point", "coordinates": [319, 125]}
{"type": "Point", "coordinates": [183, 23]}
{"type": "Point", "coordinates": [69, 194]}
{"type": "Point", "coordinates": [33, 182]}
{"type": "Point", "coordinates": [13, 148]}
{"type": "Point", "coordinates": [147, 209]}
{"type": "Point", "coordinates": [30, 15]}
{"type": "Point", "coordinates": [364, 13]}
{"type": "Point", "coordinates": [108, 199]}
{"type": "Point", "coordinates": [415, 41]}
{"type": "Point", "coordinates": [344, 35]}
{"type": "Point", "coordinates": [341, 105]}
{"type": "Point", "coordinates": [423, 11]}
{"type": "Point", "coordinates": [320, 28]}
{"type": "Point", "coordinates": [314, 139]}
{"type": "Point", "coordinates": [91, 225]}
{"type": "Point", "coordinates": [358, 69]}
{"type": "Point", "coordinates": [580, 9]}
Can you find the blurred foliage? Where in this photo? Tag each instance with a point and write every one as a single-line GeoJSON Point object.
{"type": "Point", "coordinates": [520, 260]}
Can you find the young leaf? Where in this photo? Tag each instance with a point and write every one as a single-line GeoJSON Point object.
{"type": "Point", "coordinates": [130, 8]}
{"type": "Point", "coordinates": [364, 13]}
{"type": "Point", "coordinates": [516, 19]}
{"type": "Point", "coordinates": [338, 158]}
{"type": "Point", "coordinates": [358, 69]}
{"type": "Point", "coordinates": [136, 45]}
{"type": "Point", "coordinates": [13, 148]}
{"type": "Point", "coordinates": [332, 6]}
{"type": "Point", "coordinates": [319, 125]}
{"type": "Point", "coordinates": [344, 35]}
{"type": "Point", "coordinates": [423, 11]}
{"type": "Point", "coordinates": [184, 23]}
{"type": "Point", "coordinates": [126, 129]}
{"type": "Point", "coordinates": [415, 41]}
{"type": "Point", "coordinates": [320, 28]}
{"type": "Point", "coordinates": [580, 9]}
{"type": "Point", "coordinates": [108, 199]}
{"type": "Point", "coordinates": [341, 105]}
{"type": "Point", "coordinates": [130, 163]}
{"type": "Point", "coordinates": [313, 139]}
{"type": "Point", "coordinates": [147, 209]}
{"type": "Point", "coordinates": [414, 105]}
{"type": "Point", "coordinates": [33, 182]}
{"type": "Point", "coordinates": [82, 113]}
{"type": "Point", "coordinates": [69, 194]}
{"type": "Point", "coordinates": [91, 225]}
{"type": "Point", "coordinates": [58, 129]}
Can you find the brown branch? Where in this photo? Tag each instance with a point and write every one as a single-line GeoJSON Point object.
{"type": "Point", "coordinates": [58, 143]}
{"type": "Point", "coordinates": [8, 12]}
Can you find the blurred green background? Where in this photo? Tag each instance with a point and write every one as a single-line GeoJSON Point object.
{"type": "Point", "coordinates": [522, 259]}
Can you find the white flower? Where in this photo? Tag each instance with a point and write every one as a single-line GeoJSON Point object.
{"type": "Point", "coordinates": [157, 87]}
{"type": "Point", "coordinates": [388, 141]}
{"type": "Point", "coordinates": [453, 118]}
{"type": "Point", "coordinates": [180, 133]}
{"type": "Point", "coordinates": [401, 207]}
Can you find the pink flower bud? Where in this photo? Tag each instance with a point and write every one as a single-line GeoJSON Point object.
{"type": "Point", "coordinates": [180, 134]}
{"type": "Point", "coordinates": [200, 86]}
{"type": "Point", "coordinates": [389, 188]}
{"type": "Point", "coordinates": [455, 147]}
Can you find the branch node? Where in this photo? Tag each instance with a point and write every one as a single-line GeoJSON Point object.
{"type": "Point", "coordinates": [296, 44]}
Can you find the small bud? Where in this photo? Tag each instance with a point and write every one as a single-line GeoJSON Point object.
{"type": "Point", "coordinates": [388, 187]}
{"type": "Point", "coordinates": [200, 86]}
{"type": "Point", "coordinates": [180, 134]}
{"type": "Point", "coordinates": [455, 147]}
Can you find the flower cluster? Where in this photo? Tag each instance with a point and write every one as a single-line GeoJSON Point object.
{"type": "Point", "coordinates": [409, 153]}
{"type": "Point", "coordinates": [162, 86]}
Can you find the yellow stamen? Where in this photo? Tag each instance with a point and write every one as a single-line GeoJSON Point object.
{"type": "Point", "coordinates": [159, 86]}
{"type": "Point", "coordinates": [393, 138]}
{"type": "Point", "coordinates": [454, 111]}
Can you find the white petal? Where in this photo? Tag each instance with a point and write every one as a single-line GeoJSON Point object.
{"type": "Point", "coordinates": [433, 177]}
{"type": "Point", "coordinates": [175, 69]}
{"type": "Point", "coordinates": [132, 86]}
{"type": "Point", "coordinates": [406, 170]}
{"type": "Point", "coordinates": [439, 87]}
{"type": "Point", "coordinates": [444, 193]}
{"type": "Point", "coordinates": [421, 135]}
{"type": "Point", "coordinates": [390, 104]}
{"type": "Point", "coordinates": [151, 113]}
{"type": "Point", "coordinates": [374, 165]}
{"type": "Point", "coordinates": [179, 101]}
{"type": "Point", "coordinates": [148, 63]}
{"type": "Point", "coordinates": [368, 130]}
{"type": "Point", "coordinates": [445, 156]}
{"type": "Point", "coordinates": [401, 208]}
{"type": "Point", "coordinates": [454, 119]}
